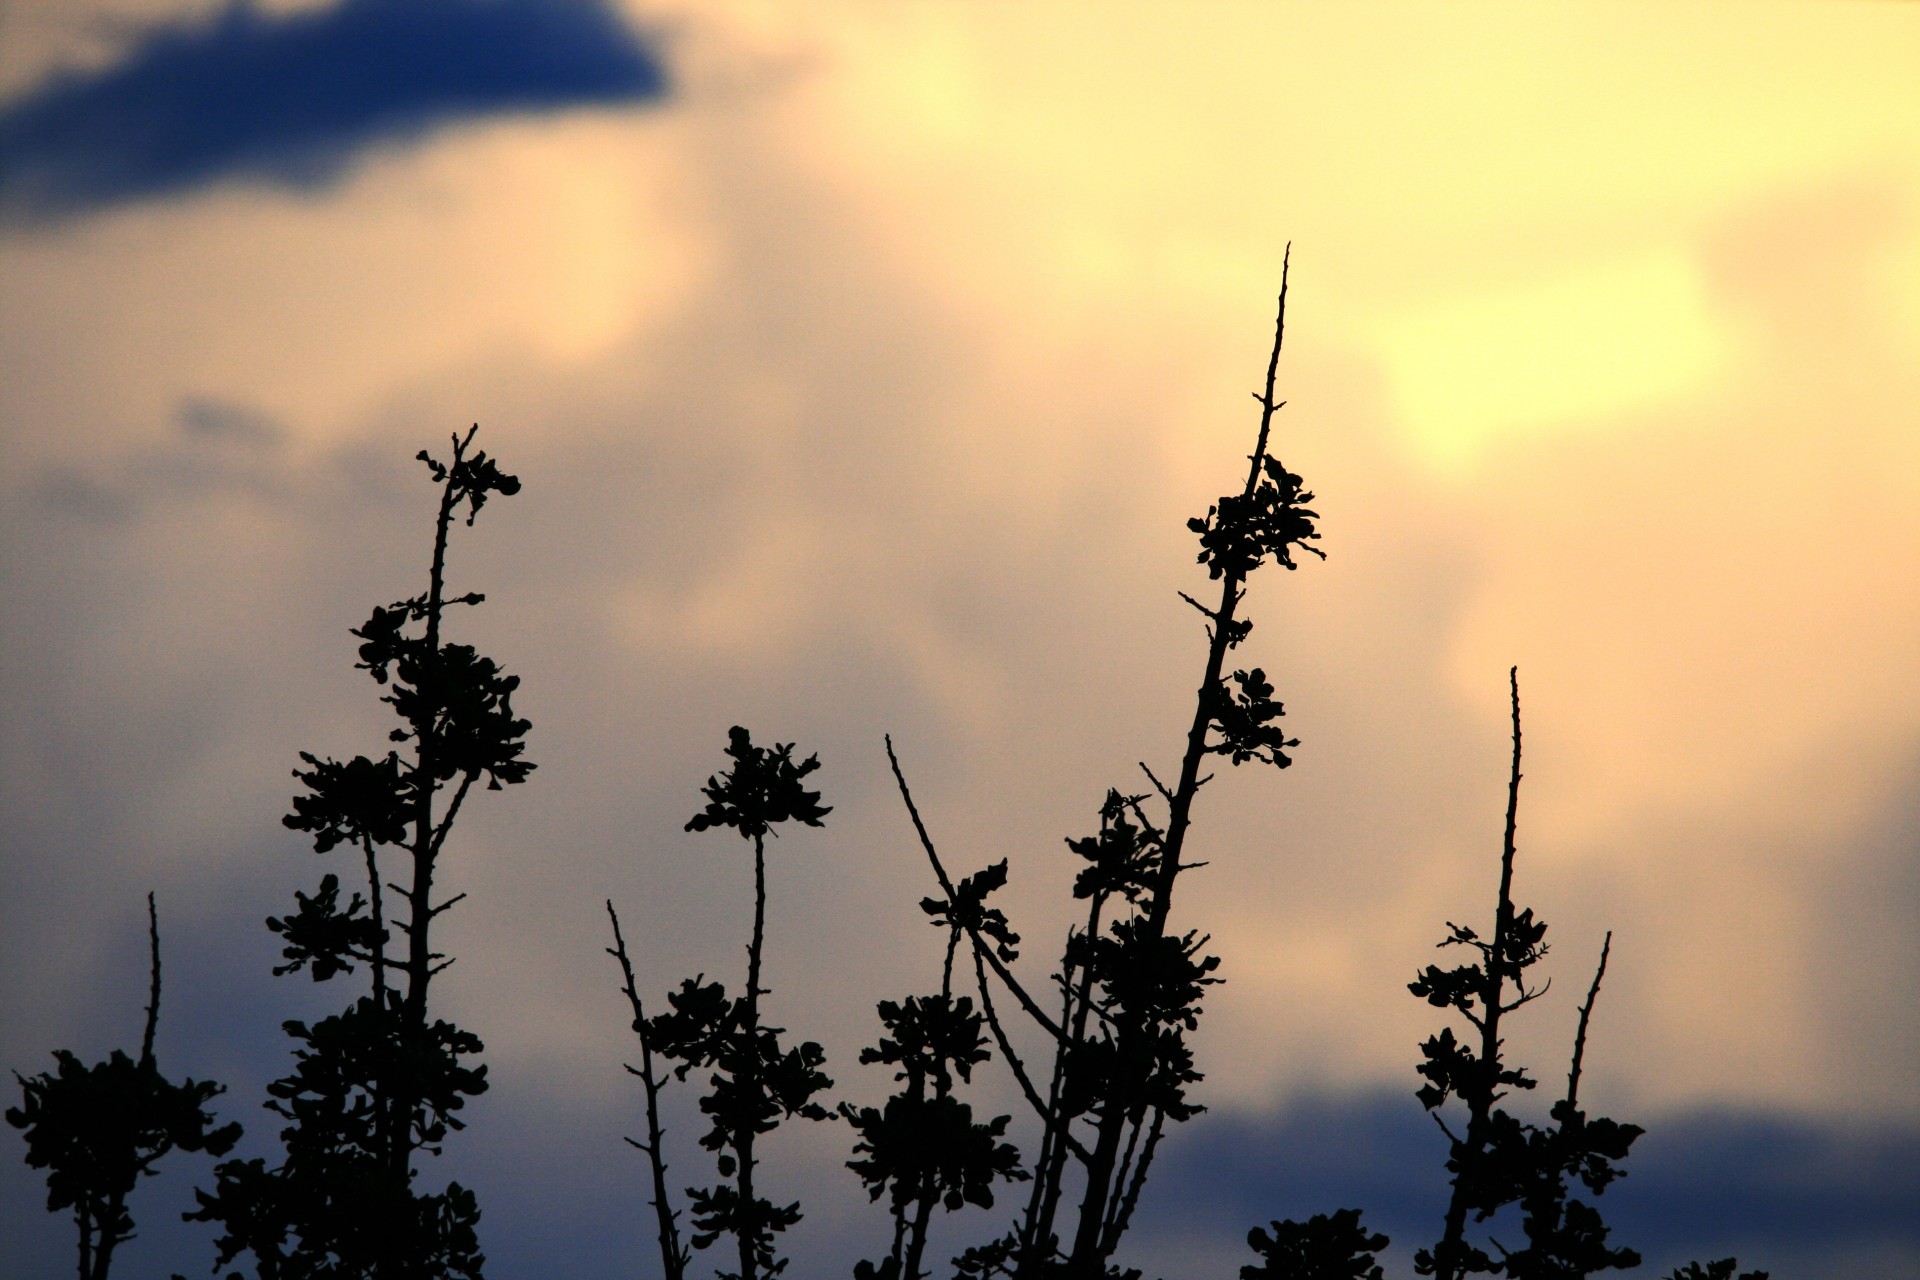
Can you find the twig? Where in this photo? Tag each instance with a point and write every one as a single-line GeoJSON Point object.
{"type": "Point", "coordinates": [1046, 1114]}
{"type": "Point", "coordinates": [946, 886]}
{"type": "Point", "coordinates": [672, 1257]}
{"type": "Point", "coordinates": [1580, 1034]}
{"type": "Point", "coordinates": [153, 986]}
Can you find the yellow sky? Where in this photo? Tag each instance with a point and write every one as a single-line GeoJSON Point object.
{"type": "Point", "coordinates": [1602, 354]}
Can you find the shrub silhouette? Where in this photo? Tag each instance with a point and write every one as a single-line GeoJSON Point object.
{"type": "Point", "coordinates": [97, 1130]}
{"type": "Point", "coordinates": [381, 1082]}
{"type": "Point", "coordinates": [1501, 1160]}
{"type": "Point", "coordinates": [1125, 996]}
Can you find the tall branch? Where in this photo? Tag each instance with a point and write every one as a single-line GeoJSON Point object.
{"type": "Point", "coordinates": [153, 986]}
{"type": "Point", "coordinates": [980, 945]}
{"type": "Point", "coordinates": [1449, 1255]}
{"type": "Point", "coordinates": [1580, 1034]}
{"type": "Point", "coordinates": [673, 1258]}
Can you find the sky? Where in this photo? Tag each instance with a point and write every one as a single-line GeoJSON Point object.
{"type": "Point", "coordinates": [862, 364]}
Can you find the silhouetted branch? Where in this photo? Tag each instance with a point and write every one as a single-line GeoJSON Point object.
{"type": "Point", "coordinates": [1586, 1012]}
{"type": "Point", "coordinates": [673, 1258]}
{"type": "Point", "coordinates": [1047, 1115]}
{"type": "Point", "coordinates": [946, 886]}
{"type": "Point", "coordinates": [153, 985]}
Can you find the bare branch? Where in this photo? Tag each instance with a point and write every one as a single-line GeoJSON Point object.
{"type": "Point", "coordinates": [980, 946]}
{"type": "Point", "coordinates": [1157, 784]}
{"type": "Point", "coordinates": [153, 985]}
{"type": "Point", "coordinates": [1586, 1012]}
{"type": "Point", "coordinates": [673, 1257]}
{"type": "Point", "coordinates": [447, 905]}
{"type": "Point", "coordinates": [1047, 1114]}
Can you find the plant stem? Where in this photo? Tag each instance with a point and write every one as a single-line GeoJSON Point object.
{"type": "Point", "coordinates": [751, 1058]}
{"type": "Point", "coordinates": [1448, 1259]}
{"type": "Point", "coordinates": [673, 1259]}
{"type": "Point", "coordinates": [153, 985]}
{"type": "Point", "coordinates": [1580, 1033]}
{"type": "Point", "coordinates": [1088, 1257]}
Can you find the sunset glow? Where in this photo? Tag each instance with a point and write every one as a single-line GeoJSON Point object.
{"type": "Point", "coordinates": [862, 373]}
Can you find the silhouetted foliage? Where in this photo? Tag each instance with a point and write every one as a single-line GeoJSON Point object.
{"type": "Point", "coordinates": [1721, 1270]}
{"type": "Point", "coordinates": [1501, 1159]}
{"type": "Point", "coordinates": [756, 1082]}
{"type": "Point", "coordinates": [97, 1130]}
{"type": "Point", "coordinates": [1324, 1247]}
{"type": "Point", "coordinates": [381, 1081]}
{"type": "Point", "coordinates": [377, 1084]}
{"type": "Point", "coordinates": [923, 1147]}
{"type": "Point", "coordinates": [1129, 991]}
{"type": "Point", "coordinates": [1130, 988]}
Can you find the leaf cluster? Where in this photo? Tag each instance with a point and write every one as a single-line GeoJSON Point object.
{"type": "Point", "coordinates": [349, 1219]}
{"type": "Point", "coordinates": [756, 1082]}
{"type": "Point", "coordinates": [324, 935]}
{"type": "Point", "coordinates": [761, 789]}
{"type": "Point", "coordinates": [1324, 1247]}
{"type": "Point", "coordinates": [458, 707]}
{"type": "Point", "coordinates": [924, 1143]}
{"type": "Point", "coordinates": [1244, 718]}
{"type": "Point", "coordinates": [97, 1130]}
{"type": "Point", "coordinates": [338, 1198]}
{"type": "Point", "coordinates": [967, 911]}
{"type": "Point", "coordinates": [1270, 520]}
{"type": "Point", "coordinates": [470, 479]}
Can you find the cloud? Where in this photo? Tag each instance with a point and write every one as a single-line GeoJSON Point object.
{"type": "Point", "coordinates": [220, 447]}
{"type": "Point", "coordinates": [295, 98]}
{"type": "Point", "coordinates": [1789, 1194]}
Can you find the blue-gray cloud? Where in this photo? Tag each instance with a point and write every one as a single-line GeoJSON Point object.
{"type": "Point", "coordinates": [1792, 1195]}
{"type": "Point", "coordinates": [294, 98]}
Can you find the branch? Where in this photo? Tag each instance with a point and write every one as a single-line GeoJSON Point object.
{"type": "Point", "coordinates": [1528, 997]}
{"type": "Point", "coordinates": [153, 986]}
{"type": "Point", "coordinates": [1047, 1116]}
{"type": "Point", "coordinates": [453, 809]}
{"type": "Point", "coordinates": [1586, 1012]}
{"type": "Point", "coordinates": [1132, 1197]}
{"type": "Point", "coordinates": [673, 1258]}
{"type": "Point", "coordinates": [379, 958]}
{"type": "Point", "coordinates": [1158, 785]}
{"type": "Point", "coordinates": [980, 946]}
{"type": "Point", "coordinates": [447, 905]}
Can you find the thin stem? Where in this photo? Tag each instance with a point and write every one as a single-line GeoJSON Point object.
{"type": "Point", "coordinates": [673, 1259]}
{"type": "Point", "coordinates": [946, 966]}
{"type": "Point", "coordinates": [153, 986]}
{"type": "Point", "coordinates": [1051, 1164]}
{"type": "Point", "coordinates": [917, 1239]}
{"type": "Point", "coordinates": [84, 1217]}
{"type": "Point", "coordinates": [1086, 1260]}
{"type": "Point", "coordinates": [453, 811]}
{"type": "Point", "coordinates": [980, 946]}
{"type": "Point", "coordinates": [1448, 1256]}
{"type": "Point", "coordinates": [1018, 1068]}
{"type": "Point", "coordinates": [1132, 1197]}
{"type": "Point", "coordinates": [1580, 1034]}
{"type": "Point", "coordinates": [751, 1031]}
{"type": "Point", "coordinates": [1110, 1237]}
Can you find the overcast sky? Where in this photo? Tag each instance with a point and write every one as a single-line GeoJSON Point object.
{"type": "Point", "coordinates": [862, 364]}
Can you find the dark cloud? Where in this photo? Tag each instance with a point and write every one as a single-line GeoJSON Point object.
{"type": "Point", "coordinates": [222, 420]}
{"type": "Point", "coordinates": [1795, 1195]}
{"type": "Point", "coordinates": [220, 447]}
{"type": "Point", "coordinates": [295, 98]}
